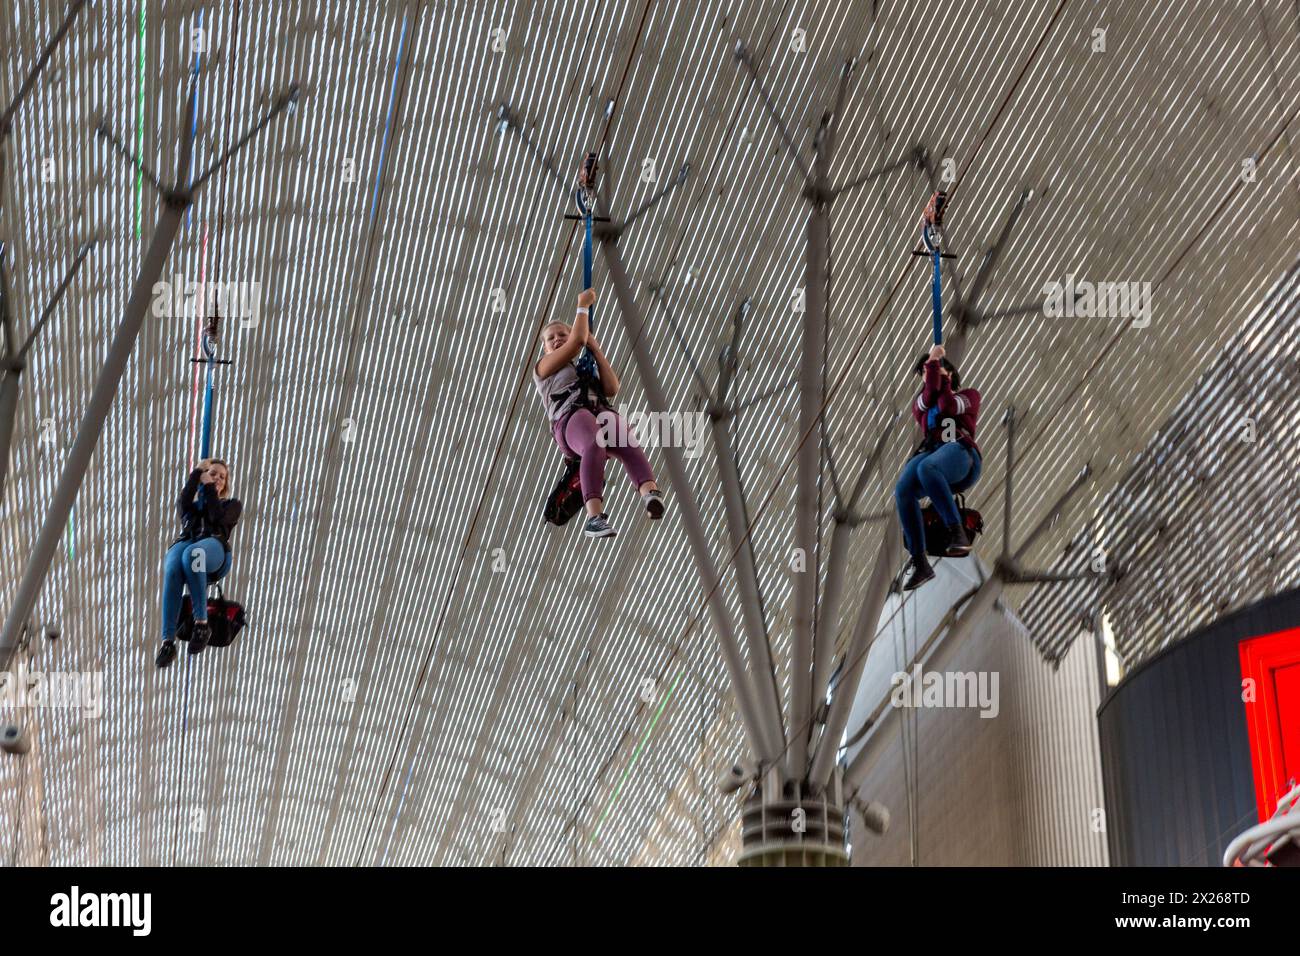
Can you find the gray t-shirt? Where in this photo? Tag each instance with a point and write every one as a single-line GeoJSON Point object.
{"type": "Point", "coordinates": [559, 392]}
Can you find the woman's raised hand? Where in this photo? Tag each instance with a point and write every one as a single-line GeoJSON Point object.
{"type": "Point", "coordinates": [936, 353]}
{"type": "Point", "coordinates": [586, 298]}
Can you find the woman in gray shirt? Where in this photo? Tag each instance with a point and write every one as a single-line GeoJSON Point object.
{"type": "Point", "coordinates": [583, 421]}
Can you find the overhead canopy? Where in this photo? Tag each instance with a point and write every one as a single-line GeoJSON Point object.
{"type": "Point", "coordinates": [431, 675]}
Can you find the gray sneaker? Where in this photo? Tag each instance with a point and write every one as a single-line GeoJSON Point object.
{"type": "Point", "coordinates": [598, 527]}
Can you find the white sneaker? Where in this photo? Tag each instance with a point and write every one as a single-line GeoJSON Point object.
{"type": "Point", "coordinates": [654, 504]}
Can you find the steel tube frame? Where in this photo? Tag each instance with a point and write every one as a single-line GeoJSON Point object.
{"type": "Point", "coordinates": [762, 721]}
{"type": "Point", "coordinates": [751, 605]}
{"type": "Point", "coordinates": [836, 567]}
{"type": "Point", "coordinates": [760, 724]}
{"type": "Point", "coordinates": [864, 633]}
{"type": "Point", "coordinates": [807, 468]}
{"type": "Point", "coordinates": [1010, 420]}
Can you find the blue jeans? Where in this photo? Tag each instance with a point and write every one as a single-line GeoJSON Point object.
{"type": "Point", "coordinates": [193, 563]}
{"type": "Point", "coordinates": [952, 467]}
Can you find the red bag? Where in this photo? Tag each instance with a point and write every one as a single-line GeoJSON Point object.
{"type": "Point", "coordinates": [225, 619]}
{"type": "Point", "coordinates": [936, 533]}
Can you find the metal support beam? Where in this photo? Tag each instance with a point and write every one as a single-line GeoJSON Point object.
{"type": "Point", "coordinates": [762, 721]}
{"type": "Point", "coordinates": [507, 120]}
{"type": "Point", "coordinates": [762, 727]}
{"type": "Point", "coordinates": [808, 467]}
{"type": "Point", "coordinates": [15, 360]}
{"type": "Point", "coordinates": [92, 424]}
{"type": "Point", "coordinates": [8, 414]}
{"type": "Point", "coordinates": [742, 55]}
{"type": "Point", "coordinates": [874, 174]}
{"type": "Point", "coordinates": [994, 252]}
{"type": "Point", "coordinates": [738, 525]}
{"type": "Point", "coordinates": [978, 605]}
{"type": "Point", "coordinates": [7, 117]}
{"type": "Point", "coordinates": [1009, 420]}
{"type": "Point", "coordinates": [864, 633]}
{"type": "Point", "coordinates": [828, 614]}
{"type": "Point", "coordinates": [751, 602]}
{"type": "Point", "coordinates": [836, 567]}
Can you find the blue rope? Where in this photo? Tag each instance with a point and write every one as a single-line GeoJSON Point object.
{"type": "Point", "coordinates": [936, 298]}
{"type": "Point", "coordinates": [205, 440]}
{"type": "Point", "coordinates": [587, 362]}
{"type": "Point", "coordinates": [936, 287]}
{"type": "Point", "coordinates": [586, 257]}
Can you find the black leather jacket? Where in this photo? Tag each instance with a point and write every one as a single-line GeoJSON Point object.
{"type": "Point", "coordinates": [206, 516]}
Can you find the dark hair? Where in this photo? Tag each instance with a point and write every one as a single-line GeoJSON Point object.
{"type": "Point", "coordinates": [952, 370]}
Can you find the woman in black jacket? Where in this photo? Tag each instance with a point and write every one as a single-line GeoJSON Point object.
{"type": "Point", "coordinates": [200, 555]}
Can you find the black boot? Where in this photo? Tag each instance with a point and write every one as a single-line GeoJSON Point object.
{"type": "Point", "coordinates": [199, 637]}
{"type": "Point", "coordinates": [921, 572]}
{"type": "Point", "coordinates": [958, 545]}
{"type": "Point", "coordinates": [166, 654]}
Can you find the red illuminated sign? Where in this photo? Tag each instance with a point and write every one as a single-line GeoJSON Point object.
{"type": "Point", "coordinates": [1272, 664]}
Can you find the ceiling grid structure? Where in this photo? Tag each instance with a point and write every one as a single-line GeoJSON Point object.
{"type": "Point", "coordinates": [431, 674]}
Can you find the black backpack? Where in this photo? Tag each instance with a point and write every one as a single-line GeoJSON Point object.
{"type": "Point", "coordinates": [565, 499]}
{"type": "Point", "coordinates": [225, 619]}
{"type": "Point", "coordinates": [936, 535]}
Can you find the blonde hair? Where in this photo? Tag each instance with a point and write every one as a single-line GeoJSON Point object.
{"type": "Point", "coordinates": [208, 462]}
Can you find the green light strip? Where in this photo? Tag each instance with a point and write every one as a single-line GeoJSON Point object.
{"type": "Point", "coordinates": [635, 754]}
{"type": "Point", "coordinates": [139, 134]}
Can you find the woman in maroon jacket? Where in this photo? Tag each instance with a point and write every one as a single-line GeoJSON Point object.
{"type": "Point", "coordinates": [946, 461]}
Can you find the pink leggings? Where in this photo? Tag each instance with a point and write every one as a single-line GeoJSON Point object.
{"type": "Point", "coordinates": [579, 434]}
